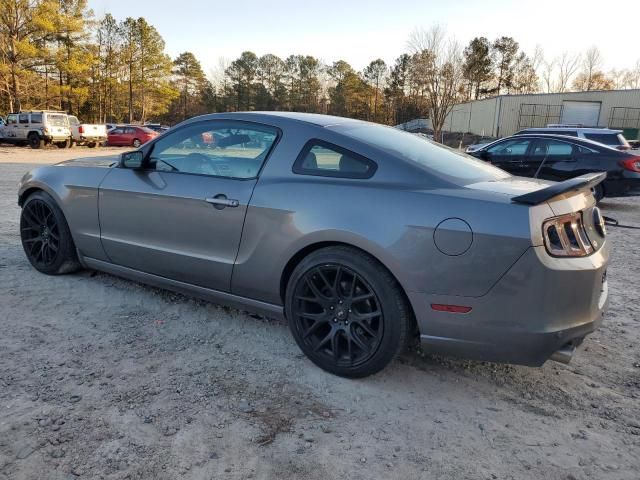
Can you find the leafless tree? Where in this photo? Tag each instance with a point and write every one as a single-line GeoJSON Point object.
{"type": "Point", "coordinates": [591, 64]}
{"type": "Point", "coordinates": [567, 67]}
{"type": "Point", "coordinates": [437, 65]}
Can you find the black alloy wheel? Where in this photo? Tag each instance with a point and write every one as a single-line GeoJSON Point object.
{"type": "Point", "coordinates": [45, 236]}
{"type": "Point", "coordinates": [346, 312]}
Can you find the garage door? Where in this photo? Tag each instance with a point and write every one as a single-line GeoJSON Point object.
{"type": "Point", "coordinates": [583, 113]}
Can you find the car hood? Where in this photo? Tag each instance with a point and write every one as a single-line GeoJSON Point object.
{"type": "Point", "coordinates": [105, 162]}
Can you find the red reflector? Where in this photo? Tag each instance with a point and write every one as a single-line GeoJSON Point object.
{"type": "Point", "coordinates": [450, 308]}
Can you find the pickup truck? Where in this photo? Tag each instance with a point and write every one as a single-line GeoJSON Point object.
{"type": "Point", "coordinates": [87, 134]}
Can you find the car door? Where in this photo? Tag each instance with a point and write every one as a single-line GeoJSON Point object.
{"type": "Point", "coordinates": [181, 215]}
{"type": "Point", "coordinates": [115, 136]}
{"type": "Point", "coordinates": [551, 159]}
{"type": "Point", "coordinates": [509, 154]}
{"type": "Point", "coordinates": [11, 129]}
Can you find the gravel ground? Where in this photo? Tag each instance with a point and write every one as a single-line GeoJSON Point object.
{"type": "Point", "coordinates": [105, 378]}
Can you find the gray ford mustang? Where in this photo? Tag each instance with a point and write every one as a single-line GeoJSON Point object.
{"type": "Point", "coordinates": [362, 236]}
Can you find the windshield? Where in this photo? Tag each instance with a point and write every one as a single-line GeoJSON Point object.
{"type": "Point", "coordinates": [58, 120]}
{"type": "Point", "coordinates": [441, 161]}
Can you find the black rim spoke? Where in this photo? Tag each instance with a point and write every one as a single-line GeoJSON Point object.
{"type": "Point", "coordinates": [39, 232]}
{"type": "Point", "coordinates": [338, 315]}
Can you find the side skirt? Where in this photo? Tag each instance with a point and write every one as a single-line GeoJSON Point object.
{"type": "Point", "coordinates": [214, 296]}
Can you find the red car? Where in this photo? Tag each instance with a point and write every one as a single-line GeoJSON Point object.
{"type": "Point", "coordinates": [130, 136]}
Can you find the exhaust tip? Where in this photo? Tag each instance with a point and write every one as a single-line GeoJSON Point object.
{"type": "Point", "coordinates": [564, 354]}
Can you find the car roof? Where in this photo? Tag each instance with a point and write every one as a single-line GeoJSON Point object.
{"type": "Point", "coordinates": [573, 129]}
{"type": "Point", "coordinates": [309, 118]}
{"type": "Point", "coordinates": [583, 141]}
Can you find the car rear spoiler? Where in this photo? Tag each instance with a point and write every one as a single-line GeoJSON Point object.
{"type": "Point", "coordinates": [583, 182]}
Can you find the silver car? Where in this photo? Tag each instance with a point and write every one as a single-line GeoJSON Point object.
{"type": "Point", "coordinates": [361, 236]}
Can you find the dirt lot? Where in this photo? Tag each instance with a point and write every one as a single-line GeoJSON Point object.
{"type": "Point", "coordinates": [105, 378]}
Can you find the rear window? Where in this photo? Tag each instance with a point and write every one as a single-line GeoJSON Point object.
{"type": "Point", "coordinates": [569, 133]}
{"type": "Point", "coordinates": [437, 159]}
{"type": "Point", "coordinates": [147, 130]}
{"type": "Point", "coordinates": [58, 120]}
{"type": "Point", "coordinates": [606, 138]}
{"type": "Point", "coordinates": [36, 118]}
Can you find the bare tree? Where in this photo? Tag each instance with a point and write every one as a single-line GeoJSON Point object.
{"type": "Point", "coordinates": [438, 66]}
{"type": "Point", "coordinates": [591, 64]}
{"type": "Point", "coordinates": [548, 69]}
{"type": "Point", "coordinates": [632, 76]}
{"type": "Point", "coordinates": [567, 67]}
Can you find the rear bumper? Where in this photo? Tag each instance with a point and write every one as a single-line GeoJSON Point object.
{"type": "Point", "coordinates": [539, 306]}
{"type": "Point", "coordinates": [92, 138]}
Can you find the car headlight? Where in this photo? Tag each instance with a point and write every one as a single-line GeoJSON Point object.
{"type": "Point", "coordinates": [565, 236]}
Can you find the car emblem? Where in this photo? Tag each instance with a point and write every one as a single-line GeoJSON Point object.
{"type": "Point", "coordinates": [598, 221]}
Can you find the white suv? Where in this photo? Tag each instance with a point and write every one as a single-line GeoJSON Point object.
{"type": "Point", "coordinates": [606, 136]}
{"type": "Point", "coordinates": [38, 128]}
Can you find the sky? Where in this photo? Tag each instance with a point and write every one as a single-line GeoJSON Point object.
{"type": "Point", "coordinates": [360, 31]}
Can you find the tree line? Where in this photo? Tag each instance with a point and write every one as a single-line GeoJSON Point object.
{"type": "Point", "coordinates": [55, 55]}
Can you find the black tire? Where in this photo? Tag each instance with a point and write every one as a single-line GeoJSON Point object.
{"type": "Point", "coordinates": [64, 144]}
{"type": "Point", "coordinates": [136, 143]}
{"type": "Point", "coordinates": [598, 192]}
{"type": "Point", "coordinates": [35, 141]}
{"type": "Point", "coordinates": [45, 236]}
{"type": "Point", "coordinates": [92, 144]}
{"type": "Point", "coordinates": [362, 287]}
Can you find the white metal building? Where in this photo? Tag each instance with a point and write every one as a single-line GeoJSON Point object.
{"type": "Point", "coordinates": [506, 114]}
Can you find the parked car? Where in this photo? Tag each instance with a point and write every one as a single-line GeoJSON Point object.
{"type": "Point", "coordinates": [559, 157]}
{"type": "Point", "coordinates": [130, 135]}
{"type": "Point", "coordinates": [358, 234]}
{"type": "Point", "coordinates": [87, 134]}
{"type": "Point", "coordinates": [38, 128]}
{"type": "Point", "coordinates": [613, 138]}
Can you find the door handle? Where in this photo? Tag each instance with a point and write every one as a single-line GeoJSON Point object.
{"type": "Point", "coordinates": [221, 201]}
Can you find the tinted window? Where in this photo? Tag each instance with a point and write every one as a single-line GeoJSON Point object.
{"type": "Point", "coordinates": [552, 147]}
{"type": "Point", "coordinates": [12, 119]}
{"type": "Point", "coordinates": [129, 130]}
{"type": "Point", "coordinates": [514, 147]}
{"type": "Point", "coordinates": [23, 118]}
{"type": "Point", "coordinates": [606, 138]}
{"type": "Point", "coordinates": [36, 118]}
{"type": "Point", "coordinates": [325, 159]}
{"type": "Point", "coordinates": [222, 149]}
{"type": "Point", "coordinates": [437, 159]}
{"type": "Point", "coordinates": [117, 131]}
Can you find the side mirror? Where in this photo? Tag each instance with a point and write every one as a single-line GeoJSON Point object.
{"type": "Point", "coordinates": [132, 160]}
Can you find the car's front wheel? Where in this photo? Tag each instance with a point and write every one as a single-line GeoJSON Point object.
{"type": "Point", "coordinates": [347, 312]}
{"type": "Point", "coordinates": [45, 236]}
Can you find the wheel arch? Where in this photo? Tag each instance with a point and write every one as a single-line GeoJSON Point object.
{"type": "Point", "coordinates": [308, 249]}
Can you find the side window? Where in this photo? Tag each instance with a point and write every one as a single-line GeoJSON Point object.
{"type": "Point", "coordinates": [514, 147]}
{"type": "Point", "coordinates": [553, 148]}
{"type": "Point", "coordinates": [129, 131]}
{"type": "Point", "coordinates": [12, 119]}
{"type": "Point", "coordinates": [327, 160]}
{"type": "Point", "coordinates": [23, 118]}
{"type": "Point", "coordinates": [221, 149]}
{"type": "Point", "coordinates": [117, 131]}
{"type": "Point", "coordinates": [36, 118]}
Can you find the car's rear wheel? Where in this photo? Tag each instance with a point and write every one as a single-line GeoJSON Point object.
{"type": "Point", "coordinates": [45, 235]}
{"type": "Point", "coordinates": [346, 312]}
{"type": "Point", "coordinates": [136, 143]}
{"type": "Point", "coordinates": [64, 144]}
{"type": "Point", "coordinates": [35, 141]}
{"type": "Point", "coordinates": [91, 144]}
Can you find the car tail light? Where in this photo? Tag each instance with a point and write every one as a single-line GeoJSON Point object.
{"type": "Point", "coordinates": [80, 129]}
{"type": "Point", "coordinates": [565, 236]}
{"type": "Point", "coordinates": [632, 163]}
